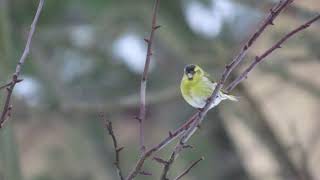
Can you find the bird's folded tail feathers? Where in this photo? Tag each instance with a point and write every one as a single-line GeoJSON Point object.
{"type": "Point", "coordinates": [230, 97]}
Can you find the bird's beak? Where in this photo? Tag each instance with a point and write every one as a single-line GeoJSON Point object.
{"type": "Point", "coordinates": [190, 76]}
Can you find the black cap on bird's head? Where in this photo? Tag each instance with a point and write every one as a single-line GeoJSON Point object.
{"type": "Point", "coordinates": [189, 70]}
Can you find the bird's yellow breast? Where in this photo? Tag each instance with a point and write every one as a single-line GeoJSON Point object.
{"type": "Point", "coordinates": [196, 92]}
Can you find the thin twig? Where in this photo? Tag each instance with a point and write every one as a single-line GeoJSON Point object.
{"type": "Point", "coordinates": [188, 169]}
{"type": "Point", "coordinates": [117, 149]}
{"type": "Point", "coordinates": [9, 83]}
{"type": "Point", "coordinates": [273, 14]}
{"type": "Point", "coordinates": [15, 80]}
{"type": "Point", "coordinates": [143, 86]}
{"type": "Point", "coordinates": [277, 45]}
{"type": "Point", "coordinates": [167, 166]}
{"type": "Point", "coordinates": [171, 136]}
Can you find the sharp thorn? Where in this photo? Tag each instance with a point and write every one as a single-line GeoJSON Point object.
{"type": "Point", "coordinates": [187, 146]}
{"type": "Point", "coordinates": [119, 149]}
{"type": "Point", "coordinates": [159, 160]}
{"type": "Point", "coordinates": [137, 118]}
{"type": "Point", "coordinates": [145, 173]}
{"type": "Point", "coordinates": [156, 27]}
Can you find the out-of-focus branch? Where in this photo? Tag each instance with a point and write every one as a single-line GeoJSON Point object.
{"type": "Point", "coordinates": [7, 107]}
{"type": "Point", "coordinates": [277, 45]}
{"type": "Point", "coordinates": [117, 149]}
{"type": "Point", "coordinates": [188, 169]}
{"type": "Point", "coordinates": [143, 86]}
{"type": "Point", "coordinates": [304, 156]}
{"type": "Point", "coordinates": [9, 84]}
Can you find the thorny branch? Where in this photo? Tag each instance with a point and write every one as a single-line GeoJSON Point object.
{"type": "Point", "coordinates": [171, 136]}
{"type": "Point", "coordinates": [143, 86]}
{"type": "Point", "coordinates": [277, 45]}
{"type": "Point", "coordinates": [117, 149]}
{"type": "Point", "coordinates": [15, 77]}
{"type": "Point", "coordinates": [188, 169]}
{"type": "Point", "coordinates": [268, 20]}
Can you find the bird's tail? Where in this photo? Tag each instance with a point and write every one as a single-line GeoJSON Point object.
{"type": "Point", "coordinates": [230, 97]}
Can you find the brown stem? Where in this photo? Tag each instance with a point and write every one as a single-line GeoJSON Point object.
{"type": "Point", "coordinates": [143, 86]}
{"type": "Point", "coordinates": [188, 169]}
{"type": "Point", "coordinates": [172, 135]}
{"type": "Point", "coordinates": [277, 45]}
{"type": "Point", "coordinates": [15, 80]}
{"type": "Point", "coordinates": [117, 149]}
{"type": "Point", "coordinates": [273, 14]}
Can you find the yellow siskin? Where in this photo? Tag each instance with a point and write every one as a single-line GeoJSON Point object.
{"type": "Point", "coordinates": [196, 87]}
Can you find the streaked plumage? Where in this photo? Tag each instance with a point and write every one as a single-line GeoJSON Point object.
{"type": "Point", "coordinates": [196, 87]}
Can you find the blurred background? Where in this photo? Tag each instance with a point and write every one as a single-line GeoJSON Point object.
{"type": "Point", "coordinates": [87, 57]}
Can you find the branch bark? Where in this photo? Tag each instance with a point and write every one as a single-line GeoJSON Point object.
{"type": "Point", "coordinates": [188, 169]}
{"type": "Point", "coordinates": [277, 45]}
{"type": "Point", "coordinates": [171, 136]}
{"type": "Point", "coordinates": [117, 149]}
{"type": "Point", "coordinates": [143, 86]}
{"type": "Point", "coordinates": [7, 107]}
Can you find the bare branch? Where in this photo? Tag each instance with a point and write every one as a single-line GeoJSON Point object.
{"type": "Point", "coordinates": [137, 168]}
{"type": "Point", "coordinates": [189, 168]}
{"type": "Point", "coordinates": [9, 83]}
{"type": "Point", "coordinates": [167, 166]}
{"type": "Point", "coordinates": [143, 86]}
{"type": "Point", "coordinates": [15, 80]}
{"type": "Point", "coordinates": [273, 14]}
{"type": "Point", "coordinates": [277, 45]}
{"type": "Point", "coordinates": [117, 149]}
{"type": "Point", "coordinates": [304, 156]}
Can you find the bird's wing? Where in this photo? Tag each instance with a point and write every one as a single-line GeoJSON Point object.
{"type": "Point", "coordinates": [207, 75]}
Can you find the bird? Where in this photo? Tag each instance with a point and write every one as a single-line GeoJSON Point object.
{"type": "Point", "coordinates": [196, 88]}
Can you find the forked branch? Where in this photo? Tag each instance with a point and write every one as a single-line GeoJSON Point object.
{"type": "Point", "coordinates": [188, 169]}
{"type": "Point", "coordinates": [117, 149]}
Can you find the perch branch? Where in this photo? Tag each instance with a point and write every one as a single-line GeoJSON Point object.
{"type": "Point", "coordinates": [143, 86]}
{"type": "Point", "coordinates": [117, 149]}
{"type": "Point", "coordinates": [188, 169]}
{"type": "Point", "coordinates": [277, 45]}
{"type": "Point", "coordinates": [7, 107]}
